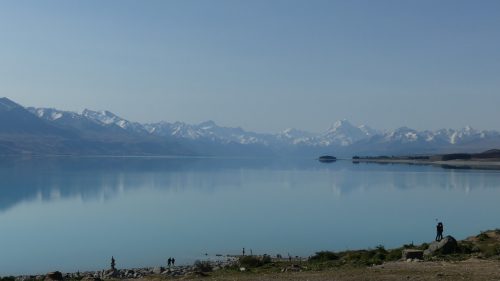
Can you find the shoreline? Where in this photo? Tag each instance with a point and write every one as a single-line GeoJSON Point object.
{"type": "Point", "coordinates": [459, 164]}
{"type": "Point", "coordinates": [482, 250]}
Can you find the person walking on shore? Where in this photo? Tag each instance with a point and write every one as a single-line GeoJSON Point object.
{"type": "Point", "coordinates": [439, 231]}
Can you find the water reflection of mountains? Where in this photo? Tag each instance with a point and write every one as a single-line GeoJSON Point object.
{"type": "Point", "coordinates": [101, 177]}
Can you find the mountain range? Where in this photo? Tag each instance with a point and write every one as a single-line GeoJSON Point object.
{"type": "Point", "coordinates": [29, 130]}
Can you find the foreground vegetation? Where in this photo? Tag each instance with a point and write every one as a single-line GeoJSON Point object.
{"type": "Point", "coordinates": [474, 258]}
{"type": "Point", "coordinates": [481, 253]}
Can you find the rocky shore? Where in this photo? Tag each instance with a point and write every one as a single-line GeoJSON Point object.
{"type": "Point", "coordinates": [132, 273]}
{"type": "Point", "coordinates": [438, 260]}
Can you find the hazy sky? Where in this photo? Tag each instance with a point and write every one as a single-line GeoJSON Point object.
{"type": "Point", "coordinates": [263, 65]}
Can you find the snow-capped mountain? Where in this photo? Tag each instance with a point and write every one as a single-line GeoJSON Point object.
{"type": "Point", "coordinates": [341, 138]}
{"type": "Point", "coordinates": [294, 136]}
{"type": "Point", "coordinates": [52, 114]}
{"type": "Point", "coordinates": [205, 131]}
{"type": "Point", "coordinates": [107, 118]}
{"type": "Point", "coordinates": [343, 133]}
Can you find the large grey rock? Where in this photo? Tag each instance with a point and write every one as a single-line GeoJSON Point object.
{"type": "Point", "coordinates": [412, 254]}
{"type": "Point", "coordinates": [447, 245]}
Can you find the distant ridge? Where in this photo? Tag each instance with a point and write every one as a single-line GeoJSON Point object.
{"type": "Point", "coordinates": [53, 131]}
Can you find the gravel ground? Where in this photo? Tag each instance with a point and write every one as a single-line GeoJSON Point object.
{"type": "Point", "coordinates": [472, 269]}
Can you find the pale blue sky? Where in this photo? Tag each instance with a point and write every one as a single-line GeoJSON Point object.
{"type": "Point", "coordinates": [263, 65]}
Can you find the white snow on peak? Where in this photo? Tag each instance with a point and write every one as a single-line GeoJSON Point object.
{"type": "Point", "coordinates": [340, 133]}
{"type": "Point", "coordinates": [102, 116]}
{"type": "Point", "coordinates": [55, 115]}
{"type": "Point", "coordinates": [50, 114]}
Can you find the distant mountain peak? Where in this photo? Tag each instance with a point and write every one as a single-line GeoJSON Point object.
{"type": "Point", "coordinates": [7, 104]}
{"type": "Point", "coordinates": [102, 116]}
{"type": "Point", "coordinates": [207, 124]}
{"type": "Point", "coordinates": [339, 124]}
{"type": "Point", "coordinates": [340, 136]}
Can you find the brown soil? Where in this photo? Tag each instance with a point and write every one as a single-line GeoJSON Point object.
{"type": "Point", "coordinates": [472, 269]}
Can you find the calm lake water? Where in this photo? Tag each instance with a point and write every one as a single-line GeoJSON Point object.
{"type": "Point", "coordinates": [73, 214]}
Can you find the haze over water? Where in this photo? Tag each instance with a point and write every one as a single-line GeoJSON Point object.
{"type": "Point", "coordinates": [73, 214]}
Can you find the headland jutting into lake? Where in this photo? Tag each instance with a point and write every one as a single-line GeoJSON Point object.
{"type": "Point", "coordinates": [489, 159]}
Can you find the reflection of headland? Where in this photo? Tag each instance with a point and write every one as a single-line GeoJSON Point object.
{"type": "Point", "coordinates": [103, 178]}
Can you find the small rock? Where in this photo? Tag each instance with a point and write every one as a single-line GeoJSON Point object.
{"type": "Point", "coordinates": [242, 269]}
{"type": "Point", "coordinates": [412, 254]}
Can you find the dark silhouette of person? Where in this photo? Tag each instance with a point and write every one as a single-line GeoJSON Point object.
{"type": "Point", "coordinates": [243, 251]}
{"type": "Point", "coordinates": [113, 263]}
{"type": "Point", "coordinates": [173, 262]}
{"type": "Point", "coordinates": [169, 262]}
{"type": "Point", "coordinates": [439, 231]}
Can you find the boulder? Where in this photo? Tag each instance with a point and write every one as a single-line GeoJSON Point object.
{"type": "Point", "coordinates": [412, 254]}
{"type": "Point", "coordinates": [447, 245]}
{"type": "Point", "coordinates": [54, 276]}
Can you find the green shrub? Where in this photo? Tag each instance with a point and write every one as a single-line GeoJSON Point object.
{"type": "Point", "coordinates": [324, 256]}
{"type": "Point", "coordinates": [203, 266]}
{"type": "Point", "coordinates": [482, 237]}
{"type": "Point", "coordinates": [466, 248]}
{"type": "Point", "coordinates": [252, 261]}
{"type": "Point", "coordinates": [394, 255]}
{"type": "Point", "coordinates": [367, 257]}
{"type": "Point", "coordinates": [266, 259]}
{"type": "Point", "coordinates": [489, 251]}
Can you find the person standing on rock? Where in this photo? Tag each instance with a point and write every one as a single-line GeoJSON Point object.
{"type": "Point", "coordinates": [169, 262]}
{"type": "Point", "coordinates": [173, 262]}
{"type": "Point", "coordinates": [439, 231]}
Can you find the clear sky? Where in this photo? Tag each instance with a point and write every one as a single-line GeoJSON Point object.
{"type": "Point", "coordinates": [263, 65]}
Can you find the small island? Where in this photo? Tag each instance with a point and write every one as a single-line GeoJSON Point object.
{"type": "Point", "coordinates": [327, 159]}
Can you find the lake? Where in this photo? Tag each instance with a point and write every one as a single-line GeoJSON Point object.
{"type": "Point", "coordinates": [69, 214]}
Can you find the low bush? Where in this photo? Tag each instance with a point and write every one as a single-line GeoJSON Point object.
{"type": "Point", "coordinates": [394, 254]}
{"type": "Point", "coordinates": [482, 237]}
{"type": "Point", "coordinates": [489, 251]}
{"type": "Point", "coordinates": [369, 257]}
{"type": "Point", "coordinates": [253, 261]}
{"type": "Point", "coordinates": [266, 259]}
{"type": "Point", "coordinates": [324, 256]}
{"type": "Point", "coordinates": [203, 266]}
